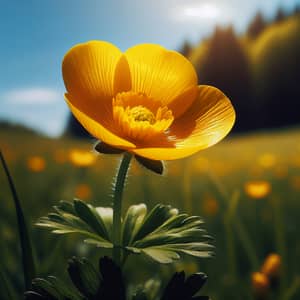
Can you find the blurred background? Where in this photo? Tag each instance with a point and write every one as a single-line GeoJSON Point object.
{"type": "Point", "coordinates": [246, 188]}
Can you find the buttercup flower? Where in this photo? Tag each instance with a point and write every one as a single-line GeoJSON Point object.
{"type": "Point", "coordinates": [36, 163]}
{"type": "Point", "coordinates": [271, 265]}
{"type": "Point", "coordinates": [257, 189]}
{"type": "Point", "coordinates": [81, 158]}
{"type": "Point", "coordinates": [260, 284]}
{"type": "Point", "coordinates": [145, 101]}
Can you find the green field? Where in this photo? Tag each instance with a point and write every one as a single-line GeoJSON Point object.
{"type": "Point", "coordinates": [246, 188]}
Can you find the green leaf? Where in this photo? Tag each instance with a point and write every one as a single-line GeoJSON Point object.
{"type": "Point", "coordinates": [53, 289]}
{"type": "Point", "coordinates": [89, 283]}
{"type": "Point", "coordinates": [106, 214]}
{"type": "Point", "coordinates": [99, 244]}
{"type": "Point", "coordinates": [161, 255]}
{"type": "Point", "coordinates": [80, 218]}
{"type": "Point", "coordinates": [5, 286]}
{"type": "Point", "coordinates": [157, 216]}
{"type": "Point", "coordinates": [180, 288]}
{"type": "Point", "coordinates": [163, 234]}
{"type": "Point", "coordinates": [133, 219]}
{"type": "Point", "coordinates": [46, 288]}
{"type": "Point", "coordinates": [90, 216]}
{"type": "Point", "coordinates": [84, 276]}
{"type": "Point", "coordinates": [26, 247]}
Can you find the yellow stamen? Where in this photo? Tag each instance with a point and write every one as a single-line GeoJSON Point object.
{"type": "Point", "coordinates": [140, 117]}
{"type": "Point", "coordinates": [142, 114]}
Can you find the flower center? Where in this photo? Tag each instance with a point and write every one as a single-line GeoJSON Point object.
{"type": "Point", "coordinates": [142, 114]}
{"type": "Point", "coordinates": [139, 117]}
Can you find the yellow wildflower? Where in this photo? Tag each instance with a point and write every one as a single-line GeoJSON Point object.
{"type": "Point", "coordinates": [36, 163]}
{"type": "Point", "coordinates": [83, 191]}
{"type": "Point", "coordinates": [145, 101]}
{"type": "Point", "coordinates": [271, 265]}
{"type": "Point", "coordinates": [260, 283]}
{"type": "Point", "coordinates": [81, 158]}
{"type": "Point", "coordinates": [257, 189]}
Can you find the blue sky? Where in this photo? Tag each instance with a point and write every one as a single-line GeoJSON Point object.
{"type": "Point", "coordinates": [35, 35]}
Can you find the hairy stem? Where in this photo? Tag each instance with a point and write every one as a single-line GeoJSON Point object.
{"type": "Point", "coordinates": [117, 206]}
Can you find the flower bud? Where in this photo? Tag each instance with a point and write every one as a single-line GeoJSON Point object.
{"type": "Point", "coordinates": [260, 285]}
{"type": "Point", "coordinates": [271, 265]}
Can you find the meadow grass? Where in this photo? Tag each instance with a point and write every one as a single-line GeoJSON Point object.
{"type": "Point", "coordinates": [246, 188]}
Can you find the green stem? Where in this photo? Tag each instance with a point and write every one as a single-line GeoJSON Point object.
{"type": "Point", "coordinates": [247, 243]}
{"type": "Point", "coordinates": [292, 290]}
{"type": "Point", "coordinates": [280, 240]}
{"type": "Point", "coordinates": [117, 206]}
{"type": "Point", "coordinates": [236, 222]}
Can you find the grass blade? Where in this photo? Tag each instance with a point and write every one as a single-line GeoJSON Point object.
{"type": "Point", "coordinates": [5, 286]}
{"type": "Point", "coordinates": [25, 243]}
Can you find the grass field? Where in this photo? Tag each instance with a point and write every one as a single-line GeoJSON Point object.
{"type": "Point", "coordinates": [247, 189]}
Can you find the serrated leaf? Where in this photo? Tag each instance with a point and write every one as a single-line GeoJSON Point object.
{"type": "Point", "coordinates": [89, 283]}
{"type": "Point", "coordinates": [65, 206]}
{"type": "Point", "coordinates": [81, 218]}
{"type": "Point", "coordinates": [63, 289]}
{"type": "Point", "coordinates": [157, 216]}
{"type": "Point", "coordinates": [160, 255]}
{"type": "Point", "coordinates": [90, 216]}
{"type": "Point", "coordinates": [180, 288]}
{"type": "Point", "coordinates": [106, 214]}
{"type": "Point", "coordinates": [162, 232]}
{"type": "Point", "coordinates": [99, 244]}
{"type": "Point", "coordinates": [84, 276]}
{"type": "Point", "coordinates": [133, 219]}
{"type": "Point", "coordinates": [46, 289]}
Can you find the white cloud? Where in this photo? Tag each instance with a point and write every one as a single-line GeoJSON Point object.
{"type": "Point", "coordinates": [35, 95]}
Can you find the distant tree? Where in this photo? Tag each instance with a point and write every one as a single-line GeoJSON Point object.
{"type": "Point", "coordinates": [186, 48]}
{"type": "Point", "coordinates": [75, 129]}
{"type": "Point", "coordinates": [277, 65]}
{"type": "Point", "coordinates": [280, 15]}
{"type": "Point", "coordinates": [226, 66]}
{"type": "Point", "coordinates": [297, 10]}
{"type": "Point", "coordinates": [256, 26]}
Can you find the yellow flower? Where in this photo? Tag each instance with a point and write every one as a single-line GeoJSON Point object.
{"type": "Point", "coordinates": [145, 101]}
{"type": "Point", "coordinates": [60, 156]}
{"type": "Point", "coordinates": [210, 206]}
{"type": "Point", "coordinates": [36, 163]}
{"type": "Point", "coordinates": [81, 158]}
{"type": "Point", "coordinates": [271, 265]}
{"type": "Point", "coordinates": [295, 182]}
{"type": "Point", "coordinates": [257, 189]}
{"type": "Point", "coordinates": [267, 160]}
{"type": "Point", "coordinates": [83, 191]}
{"type": "Point", "coordinates": [260, 283]}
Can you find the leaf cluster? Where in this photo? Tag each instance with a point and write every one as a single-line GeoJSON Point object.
{"type": "Point", "coordinates": [106, 283]}
{"type": "Point", "coordinates": [161, 234]}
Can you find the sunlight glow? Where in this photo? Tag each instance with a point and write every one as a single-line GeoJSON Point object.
{"type": "Point", "coordinates": [202, 11]}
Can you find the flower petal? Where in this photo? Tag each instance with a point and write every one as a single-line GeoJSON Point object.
{"type": "Point", "coordinates": [161, 74]}
{"type": "Point", "coordinates": [205, 123]}
{"type": "Point", "coordinates": [94, 71]}
{"type": "Point", "coordinates": [93, 124]}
